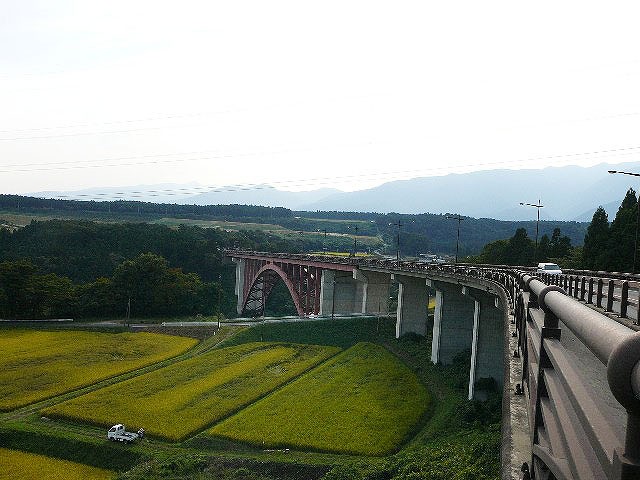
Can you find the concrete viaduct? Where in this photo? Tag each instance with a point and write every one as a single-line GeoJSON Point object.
{"type": "Point", "coordinates": [565, 349]}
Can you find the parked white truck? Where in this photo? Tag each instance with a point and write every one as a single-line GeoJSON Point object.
{"type": "Point", "coordinates": [118, 433]}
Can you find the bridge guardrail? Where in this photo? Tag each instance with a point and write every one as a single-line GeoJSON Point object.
{"type": "Point", "coordinates": [571, 436]}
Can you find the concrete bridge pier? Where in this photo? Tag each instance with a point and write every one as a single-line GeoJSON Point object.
{"type": "Point", "coordinates": [348, 293]}
{"type": "Point", "coordinates": [375, 292]}
{"type": "Point", "coordinates": [413, 304]}
{"type": "Point", "coordinates": [239, 290]}
{"type": "Point", "coordinates": [468, 319]}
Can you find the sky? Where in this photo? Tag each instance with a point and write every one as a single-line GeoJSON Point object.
{"type": "Point", "coordinates": [302, 95]}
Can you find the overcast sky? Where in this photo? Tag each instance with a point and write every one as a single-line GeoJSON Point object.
{"type": "Point", "coordinates": [310, 94]}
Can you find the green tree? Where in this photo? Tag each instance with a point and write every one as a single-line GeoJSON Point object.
{"type": "Point", "coordinates": [494, 252]}
{"type": "Point", "coordinates": [154, 289]}
{"type": "Point", "coordinates": [596, 242]}
{"type": "Point", "coordinates": [96, 299]}
{"type": "Point", "coordinates": [559, 246]}
{"type": "Point", "coordinates": [544, 248]}
{"type": "Point", "coordinates": [51, 296]}
{"type": "Point", "coordinates": [14, 281]}
{"type": "Point", "coordinates": [622, 235]}
{"type": "Point", "coordinates": [520, 250]}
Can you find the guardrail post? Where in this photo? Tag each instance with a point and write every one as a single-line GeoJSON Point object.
{"type": "Point", "coordinates": [583, 288]}
{"type": "Point", "coordinates": [599, 293]}
{"type": "Point", "coordinates": [624, 299]}
{"type": "Point", "coordinates": [610, 291]}
{"type": "Point", "coordinates": [590, 292]}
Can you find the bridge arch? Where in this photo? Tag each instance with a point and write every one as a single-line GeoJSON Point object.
{"type": "Point", "coordinates": [262, 285]}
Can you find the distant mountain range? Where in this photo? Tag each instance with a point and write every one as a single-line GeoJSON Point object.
{"type": "Point", "coordinates": [568, 193]}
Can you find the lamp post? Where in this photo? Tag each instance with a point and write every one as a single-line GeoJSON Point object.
{"type": "Point", "coordinates": [537, 206]}
{"type": "Point", "coordinates": [635, 245]}
{"type": "Point", "coordinates": [397, 224]}
{"type": "Point", "coordinates": [459, 218]}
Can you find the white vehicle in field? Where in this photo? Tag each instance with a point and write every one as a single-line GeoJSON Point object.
{"type": "Point", "coordinates": [118, 433]}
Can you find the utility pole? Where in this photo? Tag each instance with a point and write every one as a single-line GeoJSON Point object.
{"type": "Point", "coordinates": [397, 224]}
{"type": "Point", "coordinates": [219, 296]}
{"type": "Point", "coordinates": [459, 218]}
{"type": "Point", "coordinates": [355, 239]}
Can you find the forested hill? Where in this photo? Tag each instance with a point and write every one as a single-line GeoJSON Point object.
{"type": "Point", "coordinates": [84, 251]}
{"type": "Point", "coordinates": [419, 233]}
{"type": "Point", "coordinates": [133, 208]}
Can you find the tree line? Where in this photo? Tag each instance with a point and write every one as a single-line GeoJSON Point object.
{"type": "Point", "coordinates": [137, 208]}
{"type": "Point", "coordinates": [142, 287]}
{"type": "Point", "coordinates": [611, 246]}
{"type": "Point", "coordinates": [607, 246]}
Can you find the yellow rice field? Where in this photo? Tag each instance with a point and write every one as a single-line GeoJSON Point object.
{"type": "Point", "coordinates": [179, 400]}
{"type": "Point", "coordinates": [35, 365]}
{"type": "Point", "coordinates": [363, 401]}
{"type": "Point", "coordinates": [16, 465]}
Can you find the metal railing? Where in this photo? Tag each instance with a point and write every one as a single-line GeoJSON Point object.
{"type": "Point", "coordinates": [572, 436]}
{"type": "Point", "coordinates": [616, 293]}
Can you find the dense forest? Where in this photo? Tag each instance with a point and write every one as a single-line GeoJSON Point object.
{"type": "Point", "coordinates": [81, 269]}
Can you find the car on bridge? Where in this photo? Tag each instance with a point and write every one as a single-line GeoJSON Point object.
{"type": "Point", "coordinates": [550, 268]}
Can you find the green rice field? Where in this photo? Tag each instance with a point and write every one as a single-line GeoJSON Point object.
{"type": "Point", "coordinates": [16, 465]}
{"type": "Point", "coordinates": [36, 365]}
{"type": "Point", "coordinates": [363, 401]}
{"type": "Point", "coordinates": [179, 400]}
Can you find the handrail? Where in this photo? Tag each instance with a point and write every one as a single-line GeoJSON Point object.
{"type": "Point", "coordinates": [594, 449]}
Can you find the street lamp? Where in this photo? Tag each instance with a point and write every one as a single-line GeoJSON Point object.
{"type": "Point", "coordinates": [635, 245]}
{"type": "Point", "coordinates": [459, 218]}
{"type": "Point", "coordinates": [537, 206]}
{"type": "Point", "coordinates": [397, 224]}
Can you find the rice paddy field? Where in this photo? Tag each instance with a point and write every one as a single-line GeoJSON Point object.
{"type": "Point", "coordinates": [186, 397]}
{"type": "Point", "coordinates": [36, 365]}
{"type": "Point", "coordinates": [363, 401]}
{"type": "Point", "coordinates": [16, 465]}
